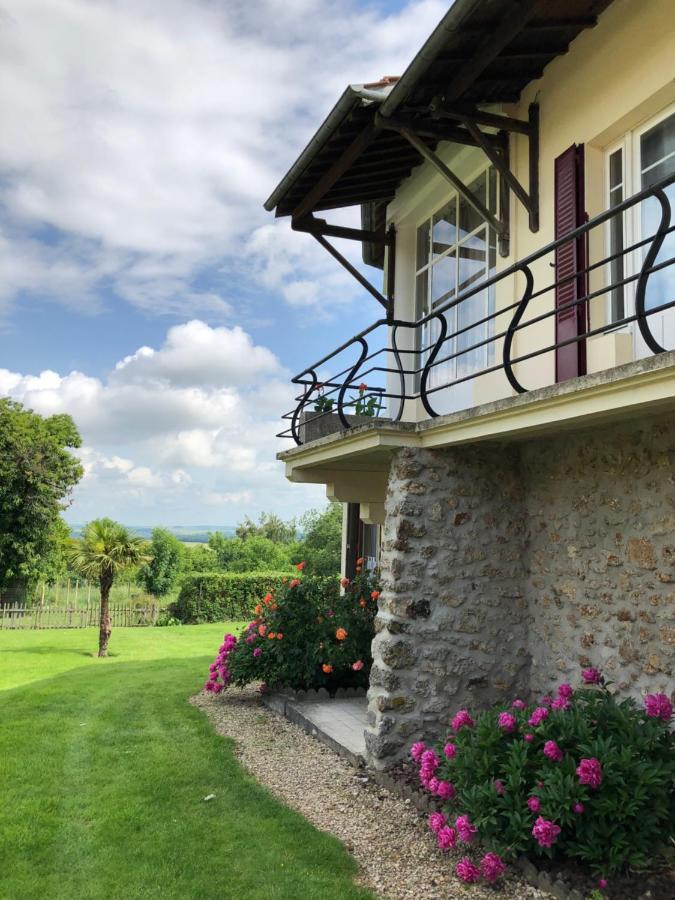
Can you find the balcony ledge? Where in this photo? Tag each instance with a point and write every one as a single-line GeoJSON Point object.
{"type": "Point", "coordinates": [635, 389]}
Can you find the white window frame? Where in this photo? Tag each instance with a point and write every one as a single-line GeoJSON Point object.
{"type": "Point", "coordinates": [629, 144]}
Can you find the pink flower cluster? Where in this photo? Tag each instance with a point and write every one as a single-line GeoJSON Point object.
{"type": "Point", "coordinates": [562, 701]}
{"type": "Point", "coordinates": [538, 716]}
{"type": "Point", "coordinates": [589, 772]}
{"type": "Point", "coordinates": [507, 722]}
{"type": "Point", "coordinates": [544, 832]}
{"type": "Point", "coordinates": [219, 674]}
{"type": "Point", "coordinates": [491, 868]}
{"type": "Point", "coordinates": [462, 720]}
{"type": "Point", "coordinates": [465, 829]}
{"type": "Point", "coordinates": [658, 706]}
{"type": "Point", "coordinates": [591, 675]}
{"type": "Point", "coordinates": [553, 751]}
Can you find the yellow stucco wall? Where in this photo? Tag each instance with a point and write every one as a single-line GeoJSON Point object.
{"type": "Point", "coordinates": [613, 78]}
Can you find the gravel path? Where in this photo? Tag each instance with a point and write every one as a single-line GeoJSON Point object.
{"type": "Point", "coordinates": [387, 836]}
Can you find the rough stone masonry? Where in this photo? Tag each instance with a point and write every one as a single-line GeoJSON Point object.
{"type": "Point", "coordinates": [507, 567]}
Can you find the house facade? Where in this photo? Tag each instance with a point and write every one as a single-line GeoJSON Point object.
{"type": "Point", "coordinates": [505, 416]}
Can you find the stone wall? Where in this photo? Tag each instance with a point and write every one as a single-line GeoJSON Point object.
{"type": "Point", "coordinates": [452, 626]}
{"type": "Point", "coordinates": [505, 568]}
{"type": "Point", "coordinates": [601, 533]}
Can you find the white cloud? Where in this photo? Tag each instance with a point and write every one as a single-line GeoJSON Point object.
{"type": "Point", "coordinates": [155, 441]}
{"type": "Point", "coordinates": [139, 140]}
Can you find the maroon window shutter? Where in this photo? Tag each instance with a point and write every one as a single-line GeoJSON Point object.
{"type": "Point", "coordinates": [570, 258]}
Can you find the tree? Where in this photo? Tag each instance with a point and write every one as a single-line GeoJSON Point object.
{"type": "Point", "coordinates": [37, 475]}
{"type": "Point", "coordinates": [106, 549]}
{"type": "Point", "coordinates": [159, 575]}
{"type": "Point", "coordinates": [253, 554]}
{"type": "Point", "coordinates": [269, 526]}
{"type": "Point", "coordinates": [321, 547]}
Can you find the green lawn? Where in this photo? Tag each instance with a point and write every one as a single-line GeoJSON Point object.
{"type": "Point", "coordinates": [103, 767]}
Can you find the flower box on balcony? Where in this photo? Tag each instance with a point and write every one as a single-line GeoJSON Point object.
{"type": "Point", "coordinates": [315, 425]}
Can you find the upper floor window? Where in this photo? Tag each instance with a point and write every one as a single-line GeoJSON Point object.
{"type": "Point", "coordinates": [642, 158]}
{"type": "Point", "coordinates": [456, 249]}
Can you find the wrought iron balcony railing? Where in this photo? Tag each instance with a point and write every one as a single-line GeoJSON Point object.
{"type": "Point", "coordinates": [390, 366]}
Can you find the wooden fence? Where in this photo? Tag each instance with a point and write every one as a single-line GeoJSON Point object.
{"type": "Point", "coordinates": [20, 616]}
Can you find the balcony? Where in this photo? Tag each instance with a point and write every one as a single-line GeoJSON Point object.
{"type": "Point", "coordinates": [530, 327]}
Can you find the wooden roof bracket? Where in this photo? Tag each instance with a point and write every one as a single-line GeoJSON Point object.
{"type": "Point", "coordinates": [472, 119]}
{"type": "Point", "coordinates": [319, 228]}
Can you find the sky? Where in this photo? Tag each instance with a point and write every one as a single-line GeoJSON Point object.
{"type": "Point", "coordinates": [144, 290]}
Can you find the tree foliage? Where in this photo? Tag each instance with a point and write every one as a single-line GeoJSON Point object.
{"type": "Point", "coordinates": [37, 474]}
{"type": "Point", "coordinates": [159, 576]}
{"type": "Point", "coordinates": [321, 547]}
{"type": "Point", "coordinates": [252, 554]}
{"type": "Point", "coordinates": [269, 526]}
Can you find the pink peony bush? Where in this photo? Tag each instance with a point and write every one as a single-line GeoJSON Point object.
{"type": "Point", "coordinates": [582, 775]}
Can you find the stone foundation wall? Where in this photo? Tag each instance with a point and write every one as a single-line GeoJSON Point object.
{"type": "Point", "coordinates": [452, 626]}
{"type": "Point", "coordinates": [505, 568]}
{"type": "Point", "coordinates": [601, 558]}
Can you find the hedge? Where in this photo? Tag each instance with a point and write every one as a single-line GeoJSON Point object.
{"type": "Point", "coordinates": [218, 596]}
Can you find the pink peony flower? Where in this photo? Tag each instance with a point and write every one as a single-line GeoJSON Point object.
{"type": "Point", "coordinates": [553, 751]}
{"type": "Point", "coordinates": [466, 871]}
{"type": "Point", "coordinates": [250, 639]}
{"type": "Point", "coordinates": [538, 716]}
{"type": "Point", "coordinates": [433, 785]}
{"type": "Point", "coordinates": [257, 652]}
{"type": "Point", "coordinates": [445, 790]}
{"type": "Point", "coordinates": [429, 761]}
{"type": "Point", "coordinates": [529, 737]}
{"type": "Point", "coordinates": [436, 821]}
{"type": "Point", "coordinates": [534, 804]}
{"type": "Point", "coordinates": [499, 787]}
{"type": "Point", "coordinates": [208, 687]}
{"type": "Point", "coordinates": [658, 706]}
{"type": "Point", "coordinates": [518, 704]}
{"type": "Point", "coordinates": [450, 751]}
{"type": "Point", "coordinates": [591, 676]}
{"type": "Point", "coordinates": [565, 691]}
{"type": "Point", "coordinates": [560, 703]}
{"type": "Point", "coordinates": [217, 688]}
{"type": "Point", "coordinates": [602, 883]}
{"type": "Point", "coordinates": [590, 772]}
{"type": "Point", "coordinates": [446, 838]}
{"type": "Point", "coordinates": [461, 720]}
{"type": "Point", "coordinates": [547, 700]}
{"type": "Point", "coordinates": [358, 665]}
{"type": "Point", "coordinates": [506, 722]}
{"type": "Point", "coordinates": [578, 808]}
{"type": "Point", "coordinates": [466, 831]}
{"type": "Point", "coordinates": [417, 750]}
{"type": "Point", "coordinates": [545, 833]}
{"type": "Point", "coordinates": [492, 867]}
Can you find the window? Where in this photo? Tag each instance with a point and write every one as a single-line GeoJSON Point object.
{"type": "Point", "coordinates": [642, 158]}
{"type": "Point", "coordinates": [455, 251]}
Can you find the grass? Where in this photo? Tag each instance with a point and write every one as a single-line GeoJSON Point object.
{"type": "Point", "coordinates": [103, 770]}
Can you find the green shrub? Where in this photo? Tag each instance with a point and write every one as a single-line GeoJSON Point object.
{"type": "Point", "coordinates": [166, 620]}
{"type": "Point", "coordinates": [584, 776]}
{"type": "Point", "coordinates": [217, 596]}
{"type": "Point", "coordinates": [305, 634]}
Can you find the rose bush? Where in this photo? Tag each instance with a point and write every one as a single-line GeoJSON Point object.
{"type": "Point", "coordinates": [582, 776]}
{"type": "Point", "coordinates": [303, 637]}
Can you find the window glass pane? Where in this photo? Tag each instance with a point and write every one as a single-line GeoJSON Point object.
{"type": "Point", "coordinates": [472, 260]}
{"type": "Point", "coordinates": [444, 232]}
{"type": "Point", "coordinates": [421, 294]}
{"type": "Point", "coordinates": [469, 219]}
{"type": "Point", "coordinates": [616, 169]}
{"type": "Point", "coordinates": [616, 245]}
{"type": "Point", "coordinates": [655, 146]}
{"type": "Point", "coordinates": [443, 278]}
{"type": "Point", "coordinates": [422, 245]}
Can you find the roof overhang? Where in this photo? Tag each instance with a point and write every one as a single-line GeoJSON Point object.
{"type": "Point", "coordinates": [482, 53]}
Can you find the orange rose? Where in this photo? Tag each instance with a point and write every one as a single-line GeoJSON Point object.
{"type": "Point", "coordinates": [374, 595]}
{"type": "Point", "coordinates": [274, 607]}
{"type": "Point", "coordinates": [340, 634]}
{"type": "Point", "coordinates": [279, 636]}
{"type": "Point", "coordinates": [363, 387]}
{"type": "Point", "coordinates": [295, 582]}
{"type": "Point", "coordinates": [362, 603]}
{"type": "Point", "coordinates": [268, 598]}
{"type": "Point", "coordinates": [258, 609]}
{"type": "Point", "coordinates": [300, 566]}
{"type": "Point", "coordinates": [326, 668]}
{"type": "Point", "coordinates": [344, 582]}
{"type": "Point", "coordinates": [271, 636]}
{"type": "Point", "coordinates": [360, 561]}
{"type": "Point", "coordinates": [262, 630]}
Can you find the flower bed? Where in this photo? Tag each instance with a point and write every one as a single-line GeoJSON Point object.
{"type": "Point", "coordinates": [303, 637]}
{"type": "Point", "coordinates": [581, 777]}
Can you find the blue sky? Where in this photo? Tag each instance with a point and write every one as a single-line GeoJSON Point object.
{"type": "Point", "coordinates": [143, 288]}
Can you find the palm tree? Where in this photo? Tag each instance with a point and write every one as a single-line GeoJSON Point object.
{"type": "Point", "coordinates": [105, 549]}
